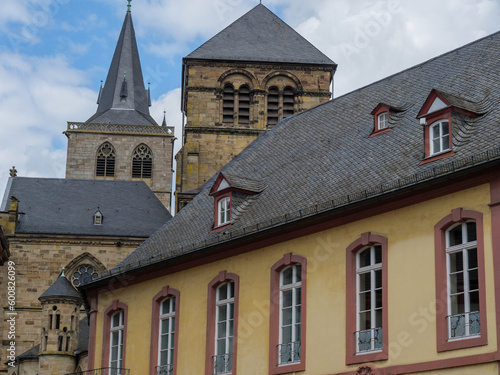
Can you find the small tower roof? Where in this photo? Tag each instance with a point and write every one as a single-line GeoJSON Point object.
{"type": "Point", "coordinates": [261, 36]}
{"type": "Point", "coordinates": [124, 99]}
{"type": "Point", "coordinates": [61, 288]}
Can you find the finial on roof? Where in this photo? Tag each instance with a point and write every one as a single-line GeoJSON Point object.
{"type": "Point", "coordinates": [149, 94]}
{"type": "Point", "coordinates": [164, 123]}
{"type": "Point", "coordinates": [13, 172]}
{"type": "Point", "coordinates": [129, 5]}
{"type": "Point", "coordinates": [62, 274]}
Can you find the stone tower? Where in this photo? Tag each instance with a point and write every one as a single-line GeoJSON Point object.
{"type": "Point", "coordinates": [240, 83]}
{"type": "Point", "coordinates": [60, 320]}
{"type": "Point", "coordinates": [121, 140]}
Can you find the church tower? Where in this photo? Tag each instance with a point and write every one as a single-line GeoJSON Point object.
{"type": "Point", "coordinates": [240, 83]}
{"type": "Point", "coordinates": [121, 141]}
{"type": "Point", "coordinates": [60, 322]}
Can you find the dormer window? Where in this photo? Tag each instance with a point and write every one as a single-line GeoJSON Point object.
{"type": "Point", "coordinates": [436, 117]}
{"type": "Point", "coordinates": [381, 118]}
{"type": "Point", "coordinates": [224, 208]}
{"type": "Point", "coordinates": [440, 134]}
{"type": "Point", "coordinates": [98, 218]}
{"type": "Point", "coordinates": [382, 121]}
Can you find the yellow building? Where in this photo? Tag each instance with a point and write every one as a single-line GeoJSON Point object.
{"type": "Point", "coordinates": [359, 237]}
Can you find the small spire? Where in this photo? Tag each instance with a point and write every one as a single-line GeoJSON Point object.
{"type": "Point", "coordinates": [62, 274]}
{"type": "Point", "coordinates": [13, 172]}
{"type": "Point", "coordinates": [164, 123]}
{"type": "Point", "coordinates": [124, 91]}
{"type": "Point", "coordinates": [100, 93]}
{"type": "Point", "coordinates": [129, 6]}
{"type": "Point", "coordinates": [149, 94]}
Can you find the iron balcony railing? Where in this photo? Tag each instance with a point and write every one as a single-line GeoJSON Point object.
{"type": "Point", "coordinates": [463, 325]}
{"type": "Point", "coordinates": [368, 340]}
{"type": "Point", "coordinates": [289, 353]}
{"type": "Point", "coordinates": [165, 370]}
{"type": "Point", "coordinates": [103, 371]}
{"type": "Point", "coordinates": [223, 364]}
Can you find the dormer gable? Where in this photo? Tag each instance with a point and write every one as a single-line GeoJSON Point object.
{"type": "Point", "coordinates": [439, 102]}
{"type": "Point", "coordinates": [381, 117]}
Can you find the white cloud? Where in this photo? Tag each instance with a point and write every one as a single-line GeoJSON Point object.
{"type": "Point", "coordinates": [37, 97]}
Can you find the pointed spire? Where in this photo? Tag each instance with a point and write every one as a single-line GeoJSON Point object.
{"type": "Point", "coordinates": [100, 93]}
{"type": "Point", "coordinates": [149, 94]}
{"type": "Point", "coordinates": [164, 123]}
{"type": "Point", "coordinates": [119, 96]}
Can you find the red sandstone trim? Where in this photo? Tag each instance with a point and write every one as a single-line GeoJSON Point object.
{"type": "Point", "coordinates": [115, 307]}
{"type": "Point", "coordinates": [274, 326]}
{"type": "Point", "coordinates": [221, 278]}
{"type": "Point", "coordinates": [155, 326]}
{"type": "Point", "coordinates": [457, 216]}
{"type": "Point", "coordinates": [377, 132]}
{"type": "Point", "coordinates": [92, 330]}
{"type": "Point", "coordinates": [366, 239]}
{"type": "Point", "coordinates": [431, 119]}
{"type": "Point", "coordinates": [437, 157]}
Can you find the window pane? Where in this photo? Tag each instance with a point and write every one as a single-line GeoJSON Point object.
{"type": "Point", "coordinates": [163, 358]}
{"type": "Point", "coordinates": [364, 258]}
{"type": "Point", "coordinates": [445, 143]}
{"type": "Point", "coordinates": [287, 276]}
{"type": "Point", "coordinates": [231, 311]}
{"type": "Point", "coordinates": [457, 304]}
{"type": "Point", "coordinates": [298, 314]}
{"type": "Point", "coordinates": [231, 326]}
{"type": "Point", "coordinates": [221, 329]}
{"type": "Point", "coordinates": [365, 301]}
{"type": "Point", "coordinates": [287, 316]}
{"type": "Point", "coordinates": [364, 281]}
{"type": "Point", "coordinates": [378, 254]}
{"type": "Point", "coordinates": [456, 262]}
{"type": "Point", "coordinates": [298, 273]}
{"type": "Point", "coordinates": [473, 280]}
{"type": "Point", "coordinates": [114, 338]}
{"type": "Point", "coordinates": [378, 279]}
{"type": "Point", "coordinates": [230, 290]}
{"type": "Point", "coordinates": [474, 301]}
{"type": "Point", "coordinates": [472, 257]}
{"type": "Point", "coordinates": [164, 342]}
{"type": "Point", "coordinates": [222, 292]}
{"type": "Point", "coordinates": [286, 333]}
{"type": "Point", "coordinates": [287, 298]}
{"type": "Point", "coordinates": [471, 232]}
{"type": "Point", "coordinates": [297, 332]}
{"type": "Point", "coordinates": [222, 313]}
{"type": "Point", "coordinates": [365, 321]}
{"type": "Point", "coordinates": [457, 283]}
{"type": "Point", "coordinates": [378, 318]}
{"type": "Point", "coordinates": [444, 127]}
{"type": "Point", "coordinates": [164, 326]}
{"type": "Point", "coordinates": [297, 295]}
{"type": "Point", "coordinates": [435, 131]}
{"type": "Point", "coordinates": [221, 346]}
{"type": "Point", "coordinates": [455, 235]}
{"type": "Point", "coordinates": [172, 325]}
{"type": "Point", "coordinates": [378, 298]}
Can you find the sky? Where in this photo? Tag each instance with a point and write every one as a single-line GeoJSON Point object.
{"type": "Point", "coordinates": [54, 54]}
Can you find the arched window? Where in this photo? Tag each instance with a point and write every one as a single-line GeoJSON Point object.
{"type": "Point", "coordinates": [288, 102]}
{"type": "Point", "coordinates": [106, 155]}
{"type": "Point", "coordinates": [228, 104]}
{"type": "Point", "coordinates": [273, 101]}
{"type": "Point", "coordinates": [142, 162]}
{"type": "Point", "coordinates": [244, 105]}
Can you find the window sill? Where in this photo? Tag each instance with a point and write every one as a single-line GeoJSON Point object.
{"type": "Point", "coordinates": [372, 356]}
{"type": "Point", "coordinates": [377, 132]}
{"type": "Point", "coordinates": [219, 228]}
{"type": "Point", "coordinates": [287, 368]}
{"type": "Point", "coordinates": [462, 343]}
{"type": "Point", "coordinates": [437, 156]}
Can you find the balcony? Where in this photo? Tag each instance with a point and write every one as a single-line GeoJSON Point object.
{"type": "Point", "coordinates": [289, 353]}
{"type": "Point", "coordinates": [103, 371]}
{"type": "Point", "coordinates": [165, 370]}
{"type": "Point", "coordinates": [464, 325]}
{"type": "Point", "coordinates": [223, 364]}
{"type": "Point", "coordinates": [368, 340]}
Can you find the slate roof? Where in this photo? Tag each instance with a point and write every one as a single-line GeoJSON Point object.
{"type": "Point", "coordinates": [324, 159]}
{"type": "Point", "coordinates": [123, 99]}
{"type": "Point", "coordinates": [260, 35]}
{"type": "Point", "coordinates": [61, 288]}
{"type": "Point", "coordinates": [67, 206]}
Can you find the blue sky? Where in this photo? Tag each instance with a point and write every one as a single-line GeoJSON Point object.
{"type": "Point", "coordinates": [54, 53]}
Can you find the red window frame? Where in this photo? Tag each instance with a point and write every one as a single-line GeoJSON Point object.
{"type": "Point", "coordinates": [274, 326]}
{"type": "Point", "coordinates": [379, 109]}
{"type": "Point", "coordinates": [457, 215]}
{"type": "Point", "coordinates": [155, 326]}
{"type": "Point", "coordinates": [367, 239]}
{"type": "Point", "coordinates": [115, 307]}
{"type": "Point", "coordinates": [221, 278]}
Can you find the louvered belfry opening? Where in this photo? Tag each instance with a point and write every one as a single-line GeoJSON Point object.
{"type": "Point", "coordinates": [106, 157]}
{"type": "Point", "coordinates": [288, 102]}
{"type": "Point", "coordinates": [142, 162]}
{"type": "Point", "coordinates": [273, 106]}
{"type": "Point", "coordinates": [228, 104]}
{"type": "Point", "coordinates": [244, 105]}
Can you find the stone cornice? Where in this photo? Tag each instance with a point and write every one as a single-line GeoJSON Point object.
{"type": "Point", "coordinates": [88, 127]}
{"type": "Point", "coordinates": [222, 130]}
{"type": "Point", "coordinates": [260, 65]}
{"type": "Point", "coordinates": [76, 240]}
{"type": "Point", "coordinates": [217, 90]}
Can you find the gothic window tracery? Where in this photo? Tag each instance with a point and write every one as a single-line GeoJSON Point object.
{"type": "Point", "coordinates": [83, 274]}
{"type": "Point", "coordinates": [106, 157]}
{"type": "Point", "coordinates": [142, 162]}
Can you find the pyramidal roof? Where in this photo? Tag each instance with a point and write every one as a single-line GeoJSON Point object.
{"type": "Point", "coordinates": [123, 99]}
{"type": "Point", "coordinates": [262, 36]}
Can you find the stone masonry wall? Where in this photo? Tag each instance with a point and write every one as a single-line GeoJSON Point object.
{"type": "Point", "coordinates": [82, 152]}
{"type": "Point", "coordinates": [38, 263]}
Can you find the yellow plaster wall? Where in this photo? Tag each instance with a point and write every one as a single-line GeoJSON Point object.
{"type": "Point", "coordinates": [412, 338]}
